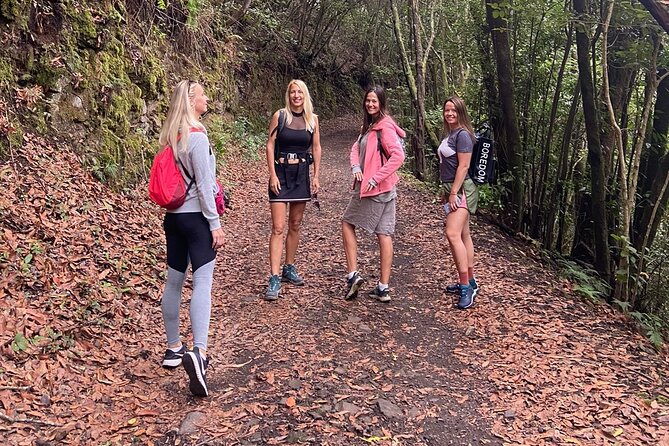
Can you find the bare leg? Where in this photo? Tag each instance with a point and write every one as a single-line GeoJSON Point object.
{"type": "Point", "coordinates": [350, 246]}
{"type": "Point", "coordinates": [295, 214]}
{"type": "Point", "coordinates": [469, 244]}
{"type": "Point", "coordinates": [455, 223]}
{"type": "Point", "coordinates": [386, 256]}
{"type": "Point", "coordinates": [276, 238]}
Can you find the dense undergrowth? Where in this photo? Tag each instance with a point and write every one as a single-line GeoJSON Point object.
{"type": "Point", "coordinates": [97, 75]}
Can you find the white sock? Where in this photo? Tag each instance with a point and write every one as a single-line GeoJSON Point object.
{"type": "Point", "coordinates": [382, 286]}
{"type": "Point", "coordinates": [176, 349]}
{"type": "Point", "coordinates": [351, 274]}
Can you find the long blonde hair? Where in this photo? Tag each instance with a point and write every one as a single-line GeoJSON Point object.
{"type": "Point", "coordinates": [309, 116]}
{"type": "Point", "coordinates": [180, 119]}
{"type": "Point", "coordinates": [463, 116]}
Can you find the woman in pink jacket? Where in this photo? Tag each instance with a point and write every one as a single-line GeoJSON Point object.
{"type": "Point", "coordinates": [375, 158]}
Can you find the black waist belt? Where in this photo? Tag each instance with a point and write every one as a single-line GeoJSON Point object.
{"type": "Point", "coordinates": [292, 158]}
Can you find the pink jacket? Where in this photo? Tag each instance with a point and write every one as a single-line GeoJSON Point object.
{"type": "Point", "coordinates": [385, 175]}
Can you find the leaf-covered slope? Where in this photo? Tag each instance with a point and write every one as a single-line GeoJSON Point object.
{"type": "Point", "coordinates": [78, 277]}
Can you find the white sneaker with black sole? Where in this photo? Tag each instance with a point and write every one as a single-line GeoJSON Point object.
{"type": "Point", "coordinates": [172, 359]}
{"type": "Point", "coordinates": [196, 367]}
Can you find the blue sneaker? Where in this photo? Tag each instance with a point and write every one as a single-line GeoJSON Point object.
{"type": "Point", "coordinates": [273, 288]}
{"type": "Point", "coordinates": [289, 274]}
{"type": "Point", "coordinates": [466, 297]}
{"type": "Point", "coordinates": [380, 295]}
{"type": "Point", "coordinates": [455, 288]}
{"type": "Point", "coordinates": [354, 284]}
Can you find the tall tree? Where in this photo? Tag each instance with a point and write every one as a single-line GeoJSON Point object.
{"type": "Point", "coordinates": [595, 156]}
{"type": "Point", "coordinates": [415, 77]}
{"type": "Point", "coordinates": [510, 148]}
{"type": "Point", "coordinates": [655, 171]}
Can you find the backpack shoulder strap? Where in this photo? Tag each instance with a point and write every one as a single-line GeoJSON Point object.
{"type": "Point", "coordinates": [281, 124]}
{"type": "Point", "coordinates": [382, 151]}
{"type": "Point", "coordinates": [279, 127]}
{"type": "Point", "coordinates": [183, 168]}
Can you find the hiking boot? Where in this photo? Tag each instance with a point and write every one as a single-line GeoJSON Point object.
{"type": "Point", "coordinates": [196, 368]}
{"type": "Point", "coordinates": [289, 274]}
{"type": "Point", "coordinates": [172, 359]}
{"type": "Point", "coordinates": [354, 284]}
{"type": "Point", "coordinates": [466, 297]}
{"type": "Point", "coordinates": [273, 288]}
{"type": "Point", "coordinates": [381, 296]}
{"type": "Point", "coordinates": [455, 288]}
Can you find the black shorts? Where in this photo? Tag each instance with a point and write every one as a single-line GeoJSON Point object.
{"type": "Point", "coordinates": [188, 237]}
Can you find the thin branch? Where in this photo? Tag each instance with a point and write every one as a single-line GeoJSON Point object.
{"type": "Point", "coordinates": [15, 387]}
{"type": "Point", "coordinates": [28, 420]}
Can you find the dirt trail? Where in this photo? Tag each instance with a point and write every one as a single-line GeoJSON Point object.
{"type": "Point", "coordinates": [530, 364]}
{"type": "Point", "coordinates": [316, 369]}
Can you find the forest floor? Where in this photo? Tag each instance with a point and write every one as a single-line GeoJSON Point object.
{"type": "Point", "coordinates": [81, 330]}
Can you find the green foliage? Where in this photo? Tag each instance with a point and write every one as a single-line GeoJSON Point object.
{"type": "Point", "coordinates": [586, 281]}
{"type": "Point", "coordinates": [242, 132]}
{"type": "Point", "coordinates": [58, 341]}
{"type": "Point", "coordinates": [15, 10]}
{"type": "Point", "coordinates": [193, 7]}
{"type": "Point", "coordinates": [22, 344]}
{"type": "Point", "coordinates": [490, 198]}
{"type": "Point", "coordinates": [653, 326]}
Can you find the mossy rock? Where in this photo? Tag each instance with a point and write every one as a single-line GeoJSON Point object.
{"type": "Point", "coordinates": [16, 11]}
{"type": "Point", "coordinates": [72, 109]}
{"type": "Point", "coordinates": [7, 76]}
{"type": "Point", "coordinates": [84, 28]}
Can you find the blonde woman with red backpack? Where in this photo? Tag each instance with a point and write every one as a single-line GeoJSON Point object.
{"type": "Point", "coordinates": [192, 231]}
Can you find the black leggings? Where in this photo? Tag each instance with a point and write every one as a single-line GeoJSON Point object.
{"type": "Point", "coordinates": [188, 236]}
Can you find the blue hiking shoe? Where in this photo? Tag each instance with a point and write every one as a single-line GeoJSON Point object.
{"type": "Point", "coordinates": [354, 284]}
{"type": "Point", "coordinates": [466, 297]}
{"type": "Point", "coordinates": [380, 295]}
{"type": "Point", "coordinates": [289, 274]}
{"type": "Point", "coordinates": [273, 288]}
{"type": "Point", "coordinates": [455, 288]}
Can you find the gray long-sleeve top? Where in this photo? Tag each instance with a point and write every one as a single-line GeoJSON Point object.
{"type": "Point", "coordinates": [201, 165]}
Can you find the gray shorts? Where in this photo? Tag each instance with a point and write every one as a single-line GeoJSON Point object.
{"type": "Point", "coordinates": [370, 215]}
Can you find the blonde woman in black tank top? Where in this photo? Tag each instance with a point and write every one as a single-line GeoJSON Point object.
{"type": "Point", "coordinates": [294, 140]}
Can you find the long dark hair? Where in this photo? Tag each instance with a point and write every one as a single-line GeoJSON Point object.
{"type": "Point", "coordinates": [368, 119]}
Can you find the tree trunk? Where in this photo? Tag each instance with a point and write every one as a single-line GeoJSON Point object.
{"type": "Point", "coordinates": [595, 156]}
{"type": "Point", "coordinates": [659, 11]}
{"type": "Point", "coordinates": [509, 144]}
{"type": "Point", "coordinates": [419, 105]}
{"type": "Point", "coordinates": [489, 86]}
{"type": "Point", "coordinates": [655, 168]}
{"type": "Point", "coordinates": [415, 83]}
{"type": "Point", "coordinates": [543, 179]}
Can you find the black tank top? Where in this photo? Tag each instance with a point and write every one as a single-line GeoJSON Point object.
{"type": "Point", "coordinates": [294, 138]}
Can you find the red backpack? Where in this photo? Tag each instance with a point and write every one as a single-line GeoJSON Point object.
{"type": "Point", "coordinates": [167, 187]}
